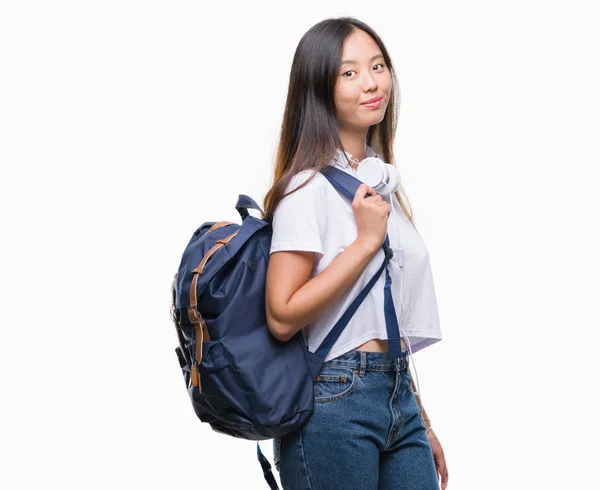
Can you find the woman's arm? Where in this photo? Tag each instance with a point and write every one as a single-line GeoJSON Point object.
{"type": "Point", "coordinates": [293, 301]}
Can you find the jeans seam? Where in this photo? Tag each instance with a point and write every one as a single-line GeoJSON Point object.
{"type": "Point", "coordinates": [304, 459]}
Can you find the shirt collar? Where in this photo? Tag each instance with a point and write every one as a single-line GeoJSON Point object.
{"type": "Point", "coordinates": [339, 161]}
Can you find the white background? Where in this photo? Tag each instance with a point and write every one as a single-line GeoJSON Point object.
{"type": "Point", "coordinates": [126, 125]}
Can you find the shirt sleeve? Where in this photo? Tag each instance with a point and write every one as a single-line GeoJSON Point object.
{"type": "Point", "coordinates": [298, 218]}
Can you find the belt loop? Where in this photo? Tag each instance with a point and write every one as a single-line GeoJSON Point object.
{"type": "Point", "coordinates": [363, 363]}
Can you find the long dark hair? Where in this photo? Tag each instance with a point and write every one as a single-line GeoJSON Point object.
{"type": "Point", "coordinates": [309, 131]}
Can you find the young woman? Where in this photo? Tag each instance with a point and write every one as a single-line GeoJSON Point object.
{"type": "Point", "coordinates": [368, 429]}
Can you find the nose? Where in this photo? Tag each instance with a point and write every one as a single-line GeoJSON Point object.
{"type": "Point", "coordinates": [369, 83]}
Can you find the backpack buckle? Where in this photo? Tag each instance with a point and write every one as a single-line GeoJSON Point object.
{"type": "Point", "coordinates": [194, 315]}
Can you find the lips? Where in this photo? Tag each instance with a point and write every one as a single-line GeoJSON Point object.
{"type": "Point", "coordinates": [370, 101]}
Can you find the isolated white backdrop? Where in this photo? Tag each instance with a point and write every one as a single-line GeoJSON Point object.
{"type": "Point", "coordinates": [125, 125]}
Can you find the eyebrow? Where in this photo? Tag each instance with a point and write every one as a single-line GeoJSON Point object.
{"type": "Point", "coordinates": [354, 61]}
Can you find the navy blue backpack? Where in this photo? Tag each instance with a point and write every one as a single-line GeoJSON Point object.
{"type": "Point", "coordinates": [241, 380]}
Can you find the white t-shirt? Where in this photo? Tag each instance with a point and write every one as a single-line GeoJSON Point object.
{"type": "Point", "coordinates": [318, 218]}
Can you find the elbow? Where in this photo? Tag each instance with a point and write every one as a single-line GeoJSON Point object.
{"type": "Point", "coordinates": [280, 335]}
{"type": "Point", "coordinates": [277, 329]}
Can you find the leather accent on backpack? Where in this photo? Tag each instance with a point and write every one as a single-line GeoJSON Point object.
{"type": "Point", "coordinates": [213, 249]}
{"type": "Point", "coordinates": [218, 225]}
{"type": "Point", "coordinates": [193, 313]}
{"type": "Point", "coordinates": [199, 328]}
{"type": "Point", "coordinates": [202, 336]}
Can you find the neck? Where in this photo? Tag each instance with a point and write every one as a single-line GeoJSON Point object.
{"type": "Point", "coordinates": [354, 143]}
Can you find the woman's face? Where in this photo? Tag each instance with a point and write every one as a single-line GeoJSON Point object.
{"type": "Point", "coordinates": [363, 75]}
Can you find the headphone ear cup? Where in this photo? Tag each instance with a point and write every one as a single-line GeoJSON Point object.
{"type": "Point", "coordinates": [375, 173]}
{"type": "Point", "coordinates": [372, 172]}
{"type": "Point", "coordinates": [393, 178]}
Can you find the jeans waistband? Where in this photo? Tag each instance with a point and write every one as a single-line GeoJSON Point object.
{"type": "Point", "coordinates": [377, 361]}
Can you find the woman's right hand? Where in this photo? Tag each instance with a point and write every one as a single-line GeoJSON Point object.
{"type": "Point", "coordinates": [371, 216]}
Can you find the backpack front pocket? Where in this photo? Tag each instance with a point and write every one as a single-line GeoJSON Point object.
{"type": "Point", "coordinates": [220, 384]}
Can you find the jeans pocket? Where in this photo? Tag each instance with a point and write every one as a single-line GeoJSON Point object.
{"type": "Point", "coordinates": [413, 399]}
{"type": "Point", "coordinates": [410, 378]}
{"type": "Point", "coordinates": [334, 383]}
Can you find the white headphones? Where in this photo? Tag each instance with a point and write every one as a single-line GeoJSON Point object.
{"type": "Point", "coordinates": [381, 176]}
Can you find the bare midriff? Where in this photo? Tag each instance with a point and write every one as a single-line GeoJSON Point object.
{"type": "Point", "coordinates": [378, 345]}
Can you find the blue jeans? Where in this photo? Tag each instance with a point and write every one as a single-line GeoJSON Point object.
{"type": "Point", "coordinates": [365, 432]}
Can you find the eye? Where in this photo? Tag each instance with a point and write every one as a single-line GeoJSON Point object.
{"type": "Point", "coordinates": [345, 74]}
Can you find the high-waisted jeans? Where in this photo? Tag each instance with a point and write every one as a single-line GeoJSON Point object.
{"type": "Point", "coordinates": [365, 432]}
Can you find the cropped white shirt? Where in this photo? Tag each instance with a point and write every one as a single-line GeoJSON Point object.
{"type": "Point", "coordinates": [318, 218]}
